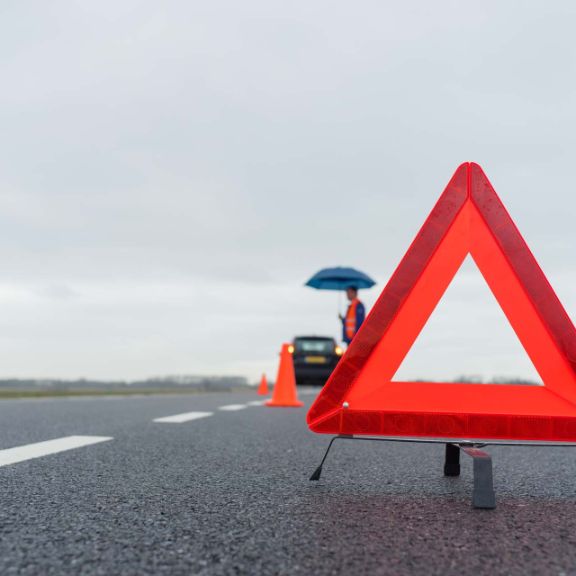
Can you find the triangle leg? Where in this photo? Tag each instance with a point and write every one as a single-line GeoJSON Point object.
{"type": "Point", "coordinates": [483, 495]}
{"type": "Point", "coordinates": [318, 472]}
{"type": "Point", "coordinates": [452, 460]}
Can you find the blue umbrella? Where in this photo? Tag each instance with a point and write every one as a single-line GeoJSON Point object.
{"type": "Point", "coordinates": [339, 279]}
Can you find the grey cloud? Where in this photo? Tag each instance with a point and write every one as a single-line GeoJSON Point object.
{"type": "Point", "coordinates": [239, 147]}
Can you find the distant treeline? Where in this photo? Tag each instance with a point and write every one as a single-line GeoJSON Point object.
{"type": "Point", "coordinates": [474, 379]}
{"type": "Point", "coordinates": [196, 382]}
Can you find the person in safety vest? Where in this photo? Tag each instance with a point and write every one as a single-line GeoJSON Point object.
{"type": "Point", "coordinates": [354, 315]}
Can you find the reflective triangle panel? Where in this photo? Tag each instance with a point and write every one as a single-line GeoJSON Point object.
{"type": "Point", "coordinates": [361, 396]}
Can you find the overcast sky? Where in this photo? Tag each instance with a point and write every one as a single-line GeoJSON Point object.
{"type": "Point", "coordinates": [172, 172]}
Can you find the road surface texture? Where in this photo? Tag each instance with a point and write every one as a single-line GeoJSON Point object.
{"type": "Point", "coordinates": [227, 492]}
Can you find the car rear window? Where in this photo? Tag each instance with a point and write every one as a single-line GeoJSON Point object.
{"type": "Point", "coordinates": [314, 346]}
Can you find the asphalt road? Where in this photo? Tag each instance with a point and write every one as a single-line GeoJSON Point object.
{"type": "Point", "coordinates": [229, 494]}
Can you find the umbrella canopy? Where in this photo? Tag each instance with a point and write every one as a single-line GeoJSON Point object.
{"type": "Point", "coordinates": [339, 279]}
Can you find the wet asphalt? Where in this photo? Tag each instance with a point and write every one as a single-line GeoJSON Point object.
{"type": "Point", "coordinates": [230, 494]}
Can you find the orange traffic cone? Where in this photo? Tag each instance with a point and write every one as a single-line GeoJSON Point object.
{"type": "Point", "coordinates": [285, 388]}
{"type": "Point", "coordinates": [263, 388]}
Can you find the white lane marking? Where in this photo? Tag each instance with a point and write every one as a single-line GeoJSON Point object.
{"type": "Point", "coordinates": [29, 451]}
{"type": "Point", "coordinates": [186, 417]}
{"type": "Point", "coordinates": [256, 403]}
{"type": "Point", "coordinates": [233, 407]}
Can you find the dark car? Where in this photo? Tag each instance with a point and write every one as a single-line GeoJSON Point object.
{"type": "Point", "coordinates": [314, 358]}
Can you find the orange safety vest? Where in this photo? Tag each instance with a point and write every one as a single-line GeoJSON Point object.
{"type": "Point", "coordinates": [350, 320]}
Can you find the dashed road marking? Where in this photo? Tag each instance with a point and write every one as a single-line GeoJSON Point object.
{"type": "Point", "coordinates": [256, 403]}
{"type": "Point", "coordinates": [186, 417]}
{"type": "Point", "coordinates": [309, 392]}
{"type": "Point", "coordinates": [39, 449]}
{"type": "Point", "coordinates": [233, 407]}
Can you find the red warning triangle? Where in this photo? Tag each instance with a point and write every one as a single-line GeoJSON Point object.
{"type": "Point", "coordinates": [360, 396]}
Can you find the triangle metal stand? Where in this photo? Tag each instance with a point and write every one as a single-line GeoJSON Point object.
{"type": "Point", "coordinates": [483, 495]}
